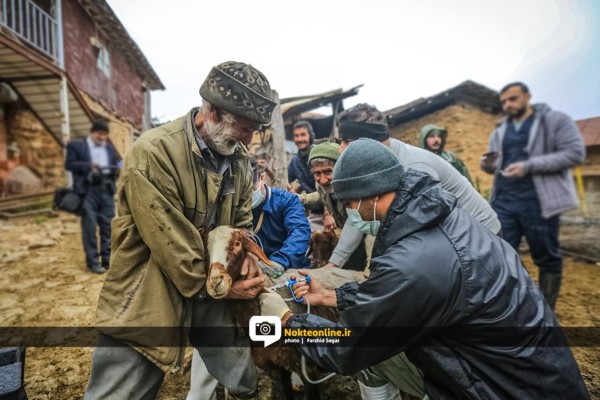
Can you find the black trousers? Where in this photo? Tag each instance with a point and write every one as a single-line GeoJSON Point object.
{"type": "Point", "coordinates": [98, 212]}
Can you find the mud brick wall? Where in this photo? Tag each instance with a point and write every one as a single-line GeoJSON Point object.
{"type": "Point", "coordinates": [37, 147]}
{"type": "Point", "coordinates": [468, 133]}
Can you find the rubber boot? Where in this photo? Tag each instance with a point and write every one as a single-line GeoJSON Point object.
{"type": "Point", "coordinates": [550, 286]}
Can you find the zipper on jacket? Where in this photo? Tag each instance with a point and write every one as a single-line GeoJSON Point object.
{"type": "Point", "coordinates": [182, 338]}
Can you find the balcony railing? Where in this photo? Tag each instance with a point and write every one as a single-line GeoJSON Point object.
{"type": "Point", "coordinates": [32, 24]}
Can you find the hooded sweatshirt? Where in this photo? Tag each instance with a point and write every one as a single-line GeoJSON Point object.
{"type": "Point", "coordinates": [449, 156]}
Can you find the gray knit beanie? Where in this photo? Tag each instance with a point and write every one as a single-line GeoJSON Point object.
{"type": "Point", "coordinates": [366, 168]}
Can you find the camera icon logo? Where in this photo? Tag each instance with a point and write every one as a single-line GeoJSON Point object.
{"type": "Point", "coordinates": [266, 329]}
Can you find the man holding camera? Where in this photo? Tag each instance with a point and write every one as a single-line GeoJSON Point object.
{"type": "Point", "coordinates": [93, 162]}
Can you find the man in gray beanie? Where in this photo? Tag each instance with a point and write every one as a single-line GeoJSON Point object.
{"type": "Point", "coordinates": [181, 180]}
{"type": "Point", "coordinates": [443, 289]}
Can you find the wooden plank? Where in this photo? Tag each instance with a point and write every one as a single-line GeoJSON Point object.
{"type": "Point", "coordinates": [278, 137]}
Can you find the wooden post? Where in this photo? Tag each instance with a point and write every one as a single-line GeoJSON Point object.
{"type": "Point", "coordinates": [279, 160]}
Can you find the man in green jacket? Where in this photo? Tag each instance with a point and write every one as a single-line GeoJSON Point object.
{"type": "Point", "coordinates": [180, 180]}
{"type": "Point", "coordinates": [433, 138]}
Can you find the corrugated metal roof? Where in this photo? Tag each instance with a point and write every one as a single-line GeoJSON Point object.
{"type": "Point", "coordinates": [296, 105]}
{"type": "Point", "coordinates": [590, 130]}
{"type": "Point", "coordinates": [467, 91]}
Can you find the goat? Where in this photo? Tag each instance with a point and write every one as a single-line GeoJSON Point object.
{"type": "Point", "coordinates": [322, 244]}
{"type": "Point", "coordinates": [227, 249]}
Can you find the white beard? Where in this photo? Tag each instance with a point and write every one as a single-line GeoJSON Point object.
{"type": "Point", "coordinates": [220, 137]}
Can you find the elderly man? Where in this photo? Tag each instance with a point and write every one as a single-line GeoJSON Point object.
{"type": "Point", "coordinates": [365, 121]}
{"type": "Point", "coordinates": [444, 289]}
{"type": "Point", "coordinates": [530, 154]}
{"type": "Point", "coordinates": [93, 163]}
{"type": "Point", "coordinates": [179, 180]}
{"type": "Point", "coordinates": [433, 138]}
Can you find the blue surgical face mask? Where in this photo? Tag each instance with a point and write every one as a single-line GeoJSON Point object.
{"type": "Point", "coordinates": [367, 227]}
{"type": "Point", "coordinates": [257, 198]}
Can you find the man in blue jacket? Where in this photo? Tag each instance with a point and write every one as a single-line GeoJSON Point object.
{"type": "Point", "coordinates": [280, 224]}
{"type": "Point", "coordinates": [93, 162]}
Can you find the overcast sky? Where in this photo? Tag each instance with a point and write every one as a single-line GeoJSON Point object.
{"type": "Point", "coordinates": [399, 49]}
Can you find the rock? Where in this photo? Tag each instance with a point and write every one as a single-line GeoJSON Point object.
{"type": "Point", "coordinates": [13, 256]}
{"type": "Point", "coordinates": [42, 243]}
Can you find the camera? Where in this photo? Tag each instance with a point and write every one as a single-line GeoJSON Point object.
{"type": "Point", "coordinates": [264, 329]}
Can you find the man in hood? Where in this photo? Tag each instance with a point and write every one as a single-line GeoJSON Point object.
{"type": "Point", "coordinates": [443, 289]}
{"type": "Point", "coordinates": [433, 138]}
{"type": "Point", "coordinates": [531, 153]}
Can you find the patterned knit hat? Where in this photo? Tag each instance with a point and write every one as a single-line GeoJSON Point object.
{"type": "Point", "coordinates": [365, 169]}
{"type": "Point", "coordinates": [239, 89]}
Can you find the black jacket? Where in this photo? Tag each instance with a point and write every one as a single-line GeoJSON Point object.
{"type": "Point", "coordinates": [79, 162]}
{"type": "Point", "coordinates": [457, 300]}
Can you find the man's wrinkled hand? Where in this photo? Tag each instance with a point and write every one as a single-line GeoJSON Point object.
{"type": "Point", "coordinates": [313, 291]}
{"type": "Point", "coordinates": [272, 304]}
{"type": "Point", "coordinates": [246, 289]}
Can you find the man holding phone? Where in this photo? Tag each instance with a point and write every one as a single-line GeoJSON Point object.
{"type": "Point", "coordinates": [530, 154]}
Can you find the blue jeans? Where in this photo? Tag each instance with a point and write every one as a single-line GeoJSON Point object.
{"type": "Point", "coordinates": [523, 217]}
{"type": "Point", "coordinates": [98, 212]}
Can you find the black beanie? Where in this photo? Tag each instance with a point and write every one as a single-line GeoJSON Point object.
{"type": "Point", "coordinates": [99, 125]}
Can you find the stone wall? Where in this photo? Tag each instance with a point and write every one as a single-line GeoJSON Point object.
{"type": "Point", "coordinates": [37, 149]}
{"type": "Point", "coordinates": [468, 133]}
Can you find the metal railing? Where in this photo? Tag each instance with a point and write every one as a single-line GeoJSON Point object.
{"type": "Point", "coordinates": [32, 24]}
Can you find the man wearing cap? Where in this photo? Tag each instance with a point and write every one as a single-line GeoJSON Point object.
{"type": "Point", "coordinates": [443, 289]}
{"type": "Point", "coordinates": [93, 163]}
{"type": "Point", "coordinates": [180, 180]}
{"type": "Point", "coordinates": [433, 138]}
{"type": "Point", "coordinates": [322, 159]}
{"type": "Point", "coordinates": [365, 121]}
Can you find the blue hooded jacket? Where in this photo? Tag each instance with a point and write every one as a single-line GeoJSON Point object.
{"type": "Point", "coordinates": [284, 232]}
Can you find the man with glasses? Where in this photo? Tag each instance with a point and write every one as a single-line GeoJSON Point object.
{"type": "Point", "coordinates": [181, 180]}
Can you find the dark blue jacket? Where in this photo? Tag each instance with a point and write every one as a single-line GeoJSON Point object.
{"type": "Point", "coordinates": [285, 231]}
{"type": "Point", "coordinates": [299, 169]}
{"type": "Point", "coordinates": [456, 299]}
{"type": "Point", "coordinates": [79, 162]}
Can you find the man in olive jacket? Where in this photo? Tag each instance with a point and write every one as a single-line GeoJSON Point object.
{"type": "Point", "coordinates": [187, 176]}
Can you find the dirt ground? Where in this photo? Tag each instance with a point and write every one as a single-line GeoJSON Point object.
{"type": "Point", "coordinates": [43, 282]}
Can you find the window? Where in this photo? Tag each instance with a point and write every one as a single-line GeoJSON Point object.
{"type": "Point", "coordinates": [104, 60]}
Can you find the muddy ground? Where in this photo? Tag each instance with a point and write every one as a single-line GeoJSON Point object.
{"type": "Point", "coordinates": [43, 282]}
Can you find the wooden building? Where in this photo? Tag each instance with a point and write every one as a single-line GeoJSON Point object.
{"type": "Point", "coordinates": [64, 63]}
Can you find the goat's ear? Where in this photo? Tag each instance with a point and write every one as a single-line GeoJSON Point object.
{"type": "Point", "coordinates": [251, 247]}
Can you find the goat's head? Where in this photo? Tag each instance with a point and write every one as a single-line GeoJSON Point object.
{"type": "Point", "coordinates": [227, 248]}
